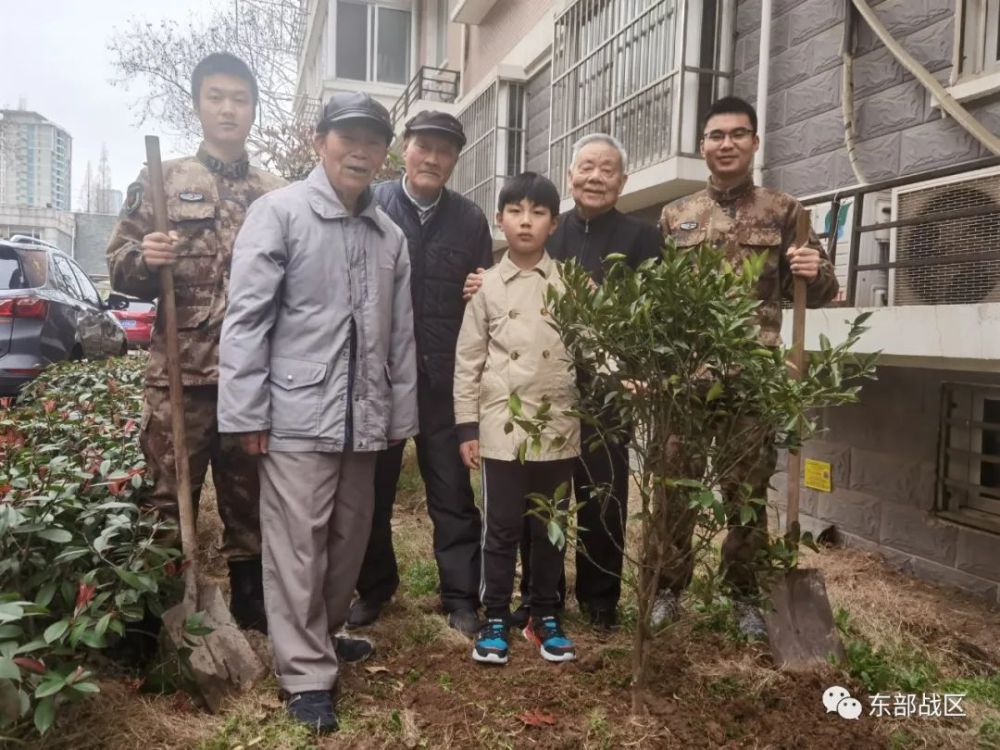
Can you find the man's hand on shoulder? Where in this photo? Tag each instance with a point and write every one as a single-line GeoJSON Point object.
{"type": "Point", "coordinates": [158, 249]}
{"type": "Point", "coordinates": [804, 262]}
{"type": "Point", "coordinates": [472, 283]}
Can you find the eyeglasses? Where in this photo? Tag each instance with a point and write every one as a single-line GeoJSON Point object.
{"type": "Point", "coordinates": [737, 135]}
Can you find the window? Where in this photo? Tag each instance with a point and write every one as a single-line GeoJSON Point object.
{"type": "Point", "coordinates": [373, 42]}
{"type": "Point", "coordinates": [441, 33]}
{"type": "Point", "coordinates": [968, 471]}
{"type": "Point", "coordinates": [980, 37]}
{"type": "Point", "coordinates": [976, 60]}
{"type": "Point", "coordinates": [494, 125]}
{"type": "Point", "coordinates": [22, 269]}
{"type": "Point", "coordinates": [64, 277]}
{"type": "Point", "coordinates": [90, 294]}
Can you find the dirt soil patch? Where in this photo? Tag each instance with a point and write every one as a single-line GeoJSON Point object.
{"type": "Point", "coordinates": [709, 689]}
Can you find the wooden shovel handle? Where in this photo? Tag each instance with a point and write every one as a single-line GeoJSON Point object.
{"type": "Point", "coordinates": [168, 305]}
{"type": "Point", "coordinates": [802, 229]}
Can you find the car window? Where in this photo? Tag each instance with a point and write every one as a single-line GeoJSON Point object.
{"type": "Point", "coordinates": [64, 277]}
{"type": "Point", "coordinates": [140, 306]}
{"type": "Point", "coordinates": [22, 269]}
{"type": "Point", "coordinates": [86, 286]}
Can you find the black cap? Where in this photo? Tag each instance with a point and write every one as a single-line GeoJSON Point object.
{"type": "Point", "coordinates": [346, 106]}
{"type": "Point", "coordinates": [432, 121]}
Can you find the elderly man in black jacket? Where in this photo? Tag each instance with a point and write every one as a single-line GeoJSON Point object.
{"type": "Point", "coordinates": [449, 237]}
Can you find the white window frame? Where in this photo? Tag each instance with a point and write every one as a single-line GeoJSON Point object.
{"type": "Point", "coordinates": [975, 62]}
{"type": "Point", "coordinates": [371, 66]}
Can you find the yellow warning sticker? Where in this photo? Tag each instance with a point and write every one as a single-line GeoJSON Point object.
{"type": "Point", "coordinates": [818, 475]}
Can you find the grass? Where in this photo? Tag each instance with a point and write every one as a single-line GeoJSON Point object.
{"type": "Point", "coordinates": [599, 733]}
{"type": "Point", "coordinates": [898, 667]}
{"type": "Point", "coordinates": [276, 731]}
{"type": "Point", "coordinates": [989, 734]}
{"type": "Point", "coordinates": [419, 578]}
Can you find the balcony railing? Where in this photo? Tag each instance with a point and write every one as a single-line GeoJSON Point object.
{"type": "Point", "coordinates": [429, 84]}
{"type": "Point", "coordinates": [941, 245]}
{"type": "Point", "coordinates": [494, 126]}
{"type": "Point", "coordinates": [633, 69]}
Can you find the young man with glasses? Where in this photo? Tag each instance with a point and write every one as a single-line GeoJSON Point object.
{"type": "Point", "coordinates": [732, 212]}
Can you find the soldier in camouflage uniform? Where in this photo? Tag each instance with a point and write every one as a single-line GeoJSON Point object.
{"type": "Point", "coordinates": [207, 198]}
{"type": "Point", "coordinates": [731, 211]}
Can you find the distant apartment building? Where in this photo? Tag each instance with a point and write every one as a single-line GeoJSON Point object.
{"type": "Point", "coordinates": [35, 161]}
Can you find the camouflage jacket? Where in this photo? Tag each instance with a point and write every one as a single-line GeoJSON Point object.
{"type": "Point", "coordinates": [750, 219]}
{"type": "Point", "coordinates": [207, 201]}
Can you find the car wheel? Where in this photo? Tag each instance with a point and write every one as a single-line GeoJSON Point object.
{"type": "Point", "coordinates": [123, 352]}
{"type": "Point", "coordinates": [77, 354]}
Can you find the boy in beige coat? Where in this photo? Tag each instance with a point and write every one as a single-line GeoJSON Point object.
{"type": "Point", "coordinates": [507, 345]}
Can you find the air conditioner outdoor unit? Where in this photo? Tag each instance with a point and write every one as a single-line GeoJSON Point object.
{"type": "Point", "coordinates": [966, 280]}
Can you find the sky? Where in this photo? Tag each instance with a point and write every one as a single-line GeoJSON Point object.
{"type": "Point", "coordinates": [56, 59]}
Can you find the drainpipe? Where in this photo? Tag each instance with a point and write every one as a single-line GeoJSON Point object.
{"type": "Point", "coordinates": [763, 68]}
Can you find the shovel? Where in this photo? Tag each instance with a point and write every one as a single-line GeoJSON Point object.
{"type": "Point", "coordinates": [223, 660]}
{"type": "Point", "coordinates": [800, 622]}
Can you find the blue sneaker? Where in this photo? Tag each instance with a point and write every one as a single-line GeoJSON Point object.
{"type": "Point", "coordinates": [491, 642]}
{"type": "Point", "coordinates": [547, 634]}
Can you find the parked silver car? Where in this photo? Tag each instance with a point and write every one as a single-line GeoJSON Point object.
{"type": "Point", "coordinates": [49, 311]}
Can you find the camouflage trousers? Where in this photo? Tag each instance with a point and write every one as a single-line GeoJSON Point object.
{"type": "Point", "coordinates": [234, 474]}
{"type": "Point", "coordinates": [752, 461]}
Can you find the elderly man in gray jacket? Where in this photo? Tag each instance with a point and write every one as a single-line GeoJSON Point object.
{"type": "Point", "coordinates": [318, 373]}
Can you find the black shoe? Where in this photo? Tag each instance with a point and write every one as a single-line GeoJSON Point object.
{"type": "Point", "coordinates": [603, 618]}
{"type": "Point", "coordinates": [362, 613]}
{"type": "Point", "coordinates": [314, 708]}
{"type": "Point", "coordinates": [519, 617]}
{"type": "Point", "coordinates": [465, 621]}
{"type": "Point", "coordinates": [353, 650]}
{"type": "Point", "coordinates": [246, 595]}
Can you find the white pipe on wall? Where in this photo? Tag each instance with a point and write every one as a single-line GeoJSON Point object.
{"type": "Point", "coordinates": [763, 68]}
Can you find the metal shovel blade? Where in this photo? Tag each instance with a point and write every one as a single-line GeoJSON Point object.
{"type": "Point", "coordinates": [223, 661]}
{"type": "Point", "coordinates": [800, 623]}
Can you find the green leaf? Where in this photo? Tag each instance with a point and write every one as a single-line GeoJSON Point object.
{"type": "Point", "coordinates": [50, 686]}
{"type": "Point", "coordinates": [11, 611]}
{"type": "Point", "coordinates": [36, 645]}
{"type": "Point", "coordinates": [45, 714]}
{"type": "Point", "coordinates": [714, 392]}
{"type": "Point", "coordinates": [86, 687]}
{"type": "Point", "coordinates": [556, 535]}
{"type": "Point", "coordinates": [92, 639]}
{"type": "Point", "coordinates": [59, 536]}
{"type": "Point", "coordinates": [102, 625]}
{"type": "Point", "coordinates": [9, 670]}
{"type": "Point", "coordinates": [45, 594]}
{"type": "Point", "coordinates": [514, 404]}
{"type": "Point", "coordinates": [55, 631]}
{"type": "Point", "coordinates": [10, 631]}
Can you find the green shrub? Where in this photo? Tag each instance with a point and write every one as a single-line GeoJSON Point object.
{"type": "Point", "coordinates": [78, 560]}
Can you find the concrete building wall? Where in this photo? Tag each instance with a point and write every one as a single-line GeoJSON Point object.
{"type": "Point", "coordinates": [883, 453]}
{"type": "Point", "coordinates": [500, 31]}
{"type": "Point", "coordinates": [899, 131]}
{"type": "Point", "coordinates": [92, 234]}
{"type": "Point", "coordinates": [55, 227]}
